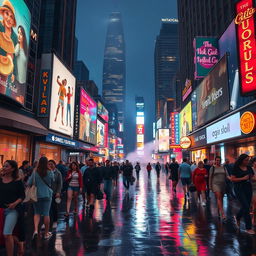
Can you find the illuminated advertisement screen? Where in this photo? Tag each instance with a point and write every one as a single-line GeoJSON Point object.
{"type": "Point", "coordinates": [245, 25]}
{"type": "Point", "coordinates": [15, 22]}
{"type": "Point", "coordinates": [185, 119]}
{"type": "Point", "coordinates": [88, 118]}
{"type": "Point", "coordinates": [140, 138]}
{"type": "Point", "coordinates": [106, 135]}
{"type": "Point", "coordinates": [140, 128]}
{"type": "Point", "coordinates": [62, 99]}
{"type": "Point", "coordinates": [102, 112]}
{"type": "Point", "coordinates": [100, 133]}
{"type": "Point", "coordinates": [174, 126]}
{"type": "Point", "coordinates": [164, 140]}
{"type": "Point", "coordinates": [211, 97]}
{"type": "Point", "coordinates": [140, 120]}
{"type": "Point", "coordinates": [206, 55]}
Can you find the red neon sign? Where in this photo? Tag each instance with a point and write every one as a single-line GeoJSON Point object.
{"type": "Point", "coordinates": [247, 45]}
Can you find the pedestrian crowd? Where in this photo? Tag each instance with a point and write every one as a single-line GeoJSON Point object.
{"type": "Point", "coordinates": [44, 185]}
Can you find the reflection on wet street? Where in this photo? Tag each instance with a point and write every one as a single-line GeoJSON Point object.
{"type": "Point", "coordinates": [149, 221]}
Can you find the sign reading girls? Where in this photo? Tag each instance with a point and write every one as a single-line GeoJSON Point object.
{"type": "Point", "coordinates": [247, 45]}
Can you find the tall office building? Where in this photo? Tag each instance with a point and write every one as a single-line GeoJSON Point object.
{"type": "Point", "coordinates": [114, 67]}
{"type": "Point", "coordinates": [57, 29]}
{"type": "Point", "coordinates": [199, 18]}
{"type": "Point", "coordinates": [166, 65]}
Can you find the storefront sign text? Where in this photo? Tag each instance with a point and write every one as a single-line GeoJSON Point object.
{"type": "Point", "coordinates": [199, 138]}
{"type": "Point", "coordinates": [247, 122]}
{"type": "Point", "coordinates": [225, 129]}
{"type": "Point", "coordinates": [247, 45]}
{"type": "Point", "coordinates": [60, 140]}
{"type": "Point", "coordinates": [185, 142]}
{"type": "Point", "coordinates": [174, 125]}
{"type": "Point", "coordinates": [43, 104]}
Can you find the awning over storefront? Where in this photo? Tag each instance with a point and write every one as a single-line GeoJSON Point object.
{"type": "Point", "coordinates": [14, 120]}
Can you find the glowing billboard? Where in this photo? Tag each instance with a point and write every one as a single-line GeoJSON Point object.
{"type": "Point", "coordinates": [186, 120]}
{"type": "Point", "coordinates": [88, 118]}
{"type": "Point", "coordinates": [62, 99]}
{"type": "Point", "coordinates": [163, 140]}
{"type": "Point", "coordinates": [14, 48]}
{"type": "Point", "coordinates": [100, 133]}
{"type": "Point", "coordinates": [247, 45]}
{"type": "Point", "coordinates": [206, 55]}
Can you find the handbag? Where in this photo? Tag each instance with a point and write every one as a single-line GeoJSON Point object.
{"type": "Point", "coordinates": [192, 188]}
{"type": "Point", "coordinates": [99, 195]}
{"type": "Point", "coordinates": [31, 192]}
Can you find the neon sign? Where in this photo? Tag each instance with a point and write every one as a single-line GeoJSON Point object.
{"type": "Point", "coordinates": [247, 45]}
{"type": "Point", "coordinates": [43, 106]}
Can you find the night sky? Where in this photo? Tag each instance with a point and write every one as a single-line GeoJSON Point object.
{"type": "Point", "coordinates": [141, 22]}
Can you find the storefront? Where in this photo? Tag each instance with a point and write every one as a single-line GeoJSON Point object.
{"type": "Point", "coordinates": [55, 147]}
{"type": "Point", "coordinates": [229, 137]}
{"type": "Point", "coordinates": [17, 133]}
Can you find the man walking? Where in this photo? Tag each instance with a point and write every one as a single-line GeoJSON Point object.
{"type": "Point", "coordinates": [185, 176]}
{"type": "Point", "coordinates": [137, 169]}
{"type": "Point", "coordinates": [158, 169]}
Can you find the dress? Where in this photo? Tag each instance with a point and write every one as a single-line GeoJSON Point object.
{"type": "Point", "coordinates": [218, 179]}
{"type": "Point", "coordinates": [199, 179]}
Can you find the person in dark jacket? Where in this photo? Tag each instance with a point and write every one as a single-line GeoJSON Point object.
{"type": "Point", "coordinates": [127, 175]}
{"type": "Point", "coordinates": [158, 169]}
{"type": "Point", "coordinates": [116, 172]}
{"type": "Point", "coordinates": [137, 169]}
{"type": "Point", "coordinates": [92, 179]}
{"type": "Point", "coordinates": [108, 174]}
{"type": "Point", "coordinates": [174, 174]}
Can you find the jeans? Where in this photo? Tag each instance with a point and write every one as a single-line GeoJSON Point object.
{"type": "Point", "coordinates": [126, 182]}
{"type": "Point", "coordinates": [244, 195]}
{"type": "Point", "coordinates": [11, 217]}
{"type": "Point", "coordinates": [108, 188]}
{"type": "Point", "coordinates": [68, 113]}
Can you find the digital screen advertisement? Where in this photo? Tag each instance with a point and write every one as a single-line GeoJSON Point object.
{"type": "Point", "coordinates": [62, 99]}
{"type": "Point", "coordinates": [102, 112]}
{"type": "Point", "coordinates": [163, 140]}
{"type": "Point", "coordinates": [186, 120]}
{"type": "Point", "coordinates": [88, 118]}
{"type": "Point", "coordinates": [174, 125]}
{"type": "Point", "coordinates": [224, 129]}
{"type": "Point", "coordinates": [206, 55]}
{"type": "Point", "coordinates": [15, 22]}
{"type": "Point", "coordinates": [212, 95]}
{"type": "Point", "coordinates": [100, 133]}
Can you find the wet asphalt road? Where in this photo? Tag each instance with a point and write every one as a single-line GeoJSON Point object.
{"type": "Point", "coordinates": [149, 221]}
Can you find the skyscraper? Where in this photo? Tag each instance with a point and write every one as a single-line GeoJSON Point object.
{"type": "Point", "coordinates": [57, 29]}
{"type": "Point", "coordinates": [166, 64]}
{"type": "Point", "coordinates": [199, 18]}
{"type": "Point", "coordinates": [114, 67]}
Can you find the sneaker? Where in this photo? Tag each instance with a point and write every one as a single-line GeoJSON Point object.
{"type": "Point", "coordinates": [203, 204]}
{"type": "Point", "coordinates": [35, 236]}
{"type": "Point", "coordinates": [43, 227]}
{"type": "Point", "coordinates": [48, 235]}
{"type": "Point", "coordinates": [250, 232]}
{"type": "Point", "coordinates": [54, 225]}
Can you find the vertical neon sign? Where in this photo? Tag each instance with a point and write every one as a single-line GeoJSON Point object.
{"type": "Point", "coordinates": [247, 45]}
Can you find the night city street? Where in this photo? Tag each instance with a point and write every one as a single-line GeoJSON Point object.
{"type": "Point", "coordinates": [148, 221]}
{"type": "Point", "coordinates": [127, 127]}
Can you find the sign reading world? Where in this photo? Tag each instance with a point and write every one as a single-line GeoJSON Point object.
{"type": "Point", "coordinates": [206, 55]}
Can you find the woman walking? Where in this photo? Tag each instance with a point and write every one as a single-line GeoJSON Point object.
{"type": "Point", "coordinates": [149, 168]}
{"type": "Point", "coordinates": [56, 198]}
{"type": "Point", "coordinates": [12, 193]}
{"type": "Point", "coordinates": [217, 183]}
{"type": "Point", "coordinates": [199, 176]}
{"type": "Point", "coordinates": [43, 179]}
{"type": "Point", "coordinates": [75, 185]}
{"type": "Point", "coordinates": [241, 176]}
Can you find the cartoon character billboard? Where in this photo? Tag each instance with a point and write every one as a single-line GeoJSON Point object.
{"type": "Point", "coordinates": [62, 99]}
{"type": "Point", "coordinates": [15, 22]}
